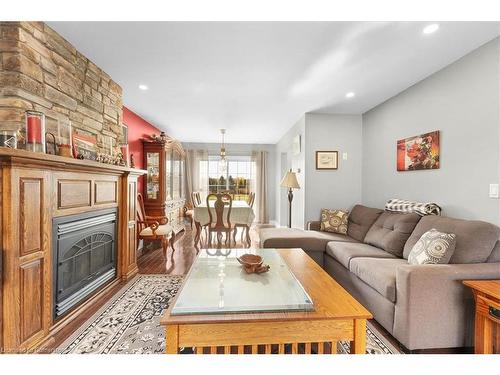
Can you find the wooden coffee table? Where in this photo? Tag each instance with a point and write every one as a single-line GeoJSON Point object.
{"type": "Point", "coordinates": [337, 316]}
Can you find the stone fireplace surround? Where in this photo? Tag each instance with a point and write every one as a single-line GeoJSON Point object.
{"type": "Point", "coordinates": [41, 71]}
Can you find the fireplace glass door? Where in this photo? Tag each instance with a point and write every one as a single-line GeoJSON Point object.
{"type": "Point", "coordinates": [86, 256]}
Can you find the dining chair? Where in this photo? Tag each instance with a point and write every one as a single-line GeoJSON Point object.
{"type": "Point", "coordinates": [189, 207]}
{"type": "Point", "coordinates": [245, 229]}
{"type": "Point", "coordinates": [217, 224]}
{"type": "Point", "coordinates": [196, 198]}
{"type": "Point", "coordinates": [150, 228]}
{"type": "Point", "coordinates": [189, 212]}
{"type": "Point", "coordinates": [251, 199]}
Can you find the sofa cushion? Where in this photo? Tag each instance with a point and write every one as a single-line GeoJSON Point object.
{"type": "Point", "coordinates": [391, 231]}
{"type": "Point", "coordinates": [334, 221]}
{"type": "Point", "coordinates": [360, 220]}
{"type": "Point", "coordinates": [343, 252]}
{"type": "Point", "coordinates": [433, 247]}
{"type": "Point", "coordinates": [378, 273]}
{"type": "Point", "coordinates": [475, 239]}
{"type": "Point", "coordinates": [309, 240]}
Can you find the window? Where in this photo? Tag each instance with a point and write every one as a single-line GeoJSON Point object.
{"type": "Point", "coordinates": [236, 180]}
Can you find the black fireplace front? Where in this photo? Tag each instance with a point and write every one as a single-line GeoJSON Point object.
{"type": "Point", "coordinates": [84, 256]}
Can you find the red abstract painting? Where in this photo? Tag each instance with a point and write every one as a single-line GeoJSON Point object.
{"type": "Point", "coordinates": [419, 152]}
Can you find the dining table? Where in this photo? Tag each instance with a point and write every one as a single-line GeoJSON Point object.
{"type": "Point", "coordinates": [241, 213]}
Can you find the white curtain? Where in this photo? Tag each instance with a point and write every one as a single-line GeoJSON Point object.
{"type": "Point", "coordinates": [196, 173]}
{"type": "Point", "coordinates": [259, 186]}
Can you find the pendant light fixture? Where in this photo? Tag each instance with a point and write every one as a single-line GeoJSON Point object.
{"type": "Point", "coordinates": [222, 160]}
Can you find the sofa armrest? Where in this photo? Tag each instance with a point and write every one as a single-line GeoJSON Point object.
{"type": "Point", "coordinates": [433, 308]}
{"type": "Point", "coordinates": [313, 225]}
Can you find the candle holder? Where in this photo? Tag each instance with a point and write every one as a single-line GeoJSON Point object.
{"type": "Point", "coordinates": [65, 138]}
{"type": "Point", "coordinates": [35, 131]}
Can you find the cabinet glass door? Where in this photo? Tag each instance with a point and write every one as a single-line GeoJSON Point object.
{"type": "Point", "coordinates": [153, 176]}
{"type": "Point", "coordinates": [168, 174]}
{"type": "Point", "coordinates": [182, 176]}
{"type": "Point", "coordinates": [176, 176]}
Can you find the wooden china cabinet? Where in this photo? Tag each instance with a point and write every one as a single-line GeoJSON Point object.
{"type": "Point", "coordinates": [164, 185]}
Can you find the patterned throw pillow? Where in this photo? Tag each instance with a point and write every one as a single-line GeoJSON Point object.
{"type": "Point", "coordinates": [433, 247]}
{"type": "Point", "coordinates": [334, 221]}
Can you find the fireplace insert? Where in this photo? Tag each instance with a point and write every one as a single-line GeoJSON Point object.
{"type": "Point", "coordinates": [84, 251]}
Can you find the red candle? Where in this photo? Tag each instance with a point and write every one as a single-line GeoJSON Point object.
{"type": "Point", "coordinates": [34, 129]}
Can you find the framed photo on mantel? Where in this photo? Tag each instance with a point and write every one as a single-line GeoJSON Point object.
{"type": "Point", "coordinates": [327, 160]}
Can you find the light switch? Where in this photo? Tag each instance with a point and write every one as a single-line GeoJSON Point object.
{"type": "Point", "coordinates": [344, 155]}
{"type": "Point", "coordinates": [494, 191]}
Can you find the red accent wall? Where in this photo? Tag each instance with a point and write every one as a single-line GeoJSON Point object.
{"type": "Point", "coordinates": [138, 128]}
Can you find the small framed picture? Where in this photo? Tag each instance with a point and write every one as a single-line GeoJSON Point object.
{"type": "Point", "coordinates": [84, 146]}
{"type": "Point", "coordinates": [327, 160]}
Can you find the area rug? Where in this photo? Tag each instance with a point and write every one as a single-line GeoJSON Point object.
{"type": "Point", "coordinates": [130, 323]}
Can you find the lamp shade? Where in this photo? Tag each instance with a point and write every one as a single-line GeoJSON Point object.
{"type": "Point", "coordinates": [290, 181]}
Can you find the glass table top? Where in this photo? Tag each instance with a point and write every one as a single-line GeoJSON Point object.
{"type": "Point", "coordinates": [217, 283]}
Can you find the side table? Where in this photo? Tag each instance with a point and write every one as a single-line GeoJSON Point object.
{"type": "Point", "coordinates": [487, 325]}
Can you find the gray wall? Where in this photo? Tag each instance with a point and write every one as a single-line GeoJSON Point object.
{"type": "Point", "coordinates": [339, 188]}
{"type": "Point", "coordinates": [462, 101]}
{"type": "Point", "coordinates": [246, 149]}
{"type": "Point", "coordinates": [320, 189]}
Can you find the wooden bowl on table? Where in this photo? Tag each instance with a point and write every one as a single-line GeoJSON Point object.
{"type": "Point", "coordinates": [253, 263]}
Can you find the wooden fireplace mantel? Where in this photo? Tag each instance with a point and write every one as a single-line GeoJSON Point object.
{"type": "Point", "coordinates": [20, 157]}
{"type": "Point", "coordinates": [34, 189]}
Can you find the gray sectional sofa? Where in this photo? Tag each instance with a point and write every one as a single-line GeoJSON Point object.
{"type": "Point", "coordinates": [422, 306]}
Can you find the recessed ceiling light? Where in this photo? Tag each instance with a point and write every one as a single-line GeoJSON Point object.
{"type": "Point", "coordinates": [350, 95]}
{"type": "Point", "coordinates": [432, 28]}
{"type": "Point", "coordinates": [143, 87]}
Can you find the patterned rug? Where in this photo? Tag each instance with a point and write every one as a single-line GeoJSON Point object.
{"type": "Point", "coordinates": [130, 322]}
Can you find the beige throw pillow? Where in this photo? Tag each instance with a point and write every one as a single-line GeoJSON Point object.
{"type": "Point", "coordinates": [334, 221]}
{"type": "Point", "coordinates": [433, 247]}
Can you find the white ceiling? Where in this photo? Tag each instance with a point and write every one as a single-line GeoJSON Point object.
{"type": "Point", "coordinates": [257, 78]}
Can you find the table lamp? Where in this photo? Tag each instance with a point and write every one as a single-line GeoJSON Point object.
{"type": "Point", "coordinates": [290, 182]}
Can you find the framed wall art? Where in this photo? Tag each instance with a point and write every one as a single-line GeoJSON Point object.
{"type": "Point", "coordinates": [418, 152]}
{"type": "Point", "coordinates": [327, 160]}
